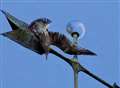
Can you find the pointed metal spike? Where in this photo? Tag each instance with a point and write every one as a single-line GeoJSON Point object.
{"type": "Point", "coordinates": [115, 85]}
{"type": "Point", "coordinates": [14, 22]}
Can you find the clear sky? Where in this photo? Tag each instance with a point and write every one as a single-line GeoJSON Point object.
{"type": "Point", "coordinates": [22, 68]}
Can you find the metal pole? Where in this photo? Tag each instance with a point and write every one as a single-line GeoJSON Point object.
{"type": "Point", "coordinates": [75, 79]}
{"type": "Point", "coordinates": [97, 78]}
{"type": "Point", "coordinates": [77, 67]}
{"type": "Point", "coordinates": [75, 42]}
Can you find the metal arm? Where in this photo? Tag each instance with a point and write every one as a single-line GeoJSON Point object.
{"type": "Point", "coordinates": [77, 67]}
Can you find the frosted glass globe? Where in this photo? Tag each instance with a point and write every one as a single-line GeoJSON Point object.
{"type": "Point", "coordinates": [76, 27]}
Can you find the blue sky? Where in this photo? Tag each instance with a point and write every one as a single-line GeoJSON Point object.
{"type": "Point", "coordinates": [22, 68]}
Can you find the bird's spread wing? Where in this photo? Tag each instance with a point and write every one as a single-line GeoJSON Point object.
{"type": "Point", "coordinates": [26, 38]}
{"type": "Point", "coordinates": [62, 42]}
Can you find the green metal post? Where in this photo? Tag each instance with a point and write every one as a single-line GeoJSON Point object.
{"type": "Point", "coordinates": [76, 70]}
{"type": "Point", "coordinates": [75, 79]}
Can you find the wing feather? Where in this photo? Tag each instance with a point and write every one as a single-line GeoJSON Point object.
{"type": "Point", "coordinates": [62, 42]}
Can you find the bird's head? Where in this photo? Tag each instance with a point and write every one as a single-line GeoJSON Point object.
{"type": "Point", "coordinates": [40, 24]}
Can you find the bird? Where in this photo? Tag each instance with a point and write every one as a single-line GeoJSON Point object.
{"type": "Point", "coordinates": [39, 28]}
{"type": "Point", "coordinates": [36, 36]}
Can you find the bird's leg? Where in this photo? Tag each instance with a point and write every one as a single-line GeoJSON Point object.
{"type": "Point", "coordinates": [46, 52]}
{"type": "Point", "coordinates": [45, 43]}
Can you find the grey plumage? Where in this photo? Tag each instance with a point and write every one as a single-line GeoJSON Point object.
{"type": "Point", "coordinates": [40, 29]}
